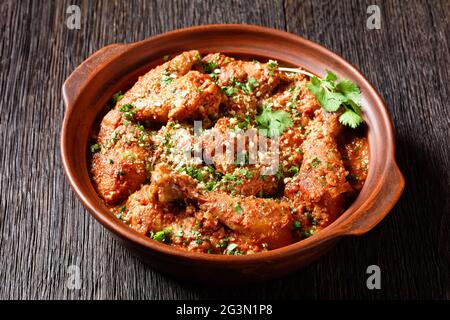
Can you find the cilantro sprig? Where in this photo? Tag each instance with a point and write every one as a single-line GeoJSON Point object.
{"type": "Point", "coordinates": [332, 94]}
{"type": "Point", "coordinates": [275, 122]}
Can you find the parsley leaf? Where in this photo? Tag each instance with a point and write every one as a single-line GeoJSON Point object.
{"type": "Point", "coordinates": [331, 96]}
{"type": "Point", "coordinates": [275, 122]}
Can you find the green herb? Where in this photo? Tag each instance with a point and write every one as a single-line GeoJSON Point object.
{"type": "Point", "coordinates": [162, 235]}
{"type": "Point", "coordinates": [128, 111]}
{"type": "Point", "coordinates": [332, 95]}
{"type": "Point", "coordinates": [297, 225]}
{"type": "Point", "coordinates": [111, 161]}
{"type": "Point", "coordinates": [275, 122]}
{"type": "Point", "coordinates": [122, 209]}
{"type": "Point", "coordinates": [115, 136]}
{"type": "Point", "coordinates": [279, 175]}
{"type": "Point", "coordinates": [229, 177]}
{"type": "Point", "coordinates": [116, 97]}
{"type": "Point", "coordinates": [237, 208]}
{"type": "Point", "coordinates": [231, 248]}
{"type": "Point", "coordinates": [210, 185]}
{"type": "Point", "coordinates": [228, 90]}
{"type": "Point", "coordinates": [294, 170]}
{"type": "Point", "coordinates": [272, 65]}
{"type": "Point", "coordinates": [210, 66]}
{"type": "Point", "coordinates": [223, 243]}
{"type": "Point", "coordinates": [95, 148]}
{"type": "Point", "coordinates": [247, 173]}
{"type": "Point", "coordinates": [166, 78]}
{"type": "Point", "coordinates": [251, 84]}
{"type": "Point", "coordinates": [315, 162]}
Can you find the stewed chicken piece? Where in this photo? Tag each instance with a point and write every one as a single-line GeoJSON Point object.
{"type": "Point", "coordinates": [153, 81]}
{"type": "Point", "coordinates": [243, 82]}
{"type": "Point", "coordinates": [262, 221]}
{"type": "Point", "coordinates": [355, 153]}
{"type": "Point", "coordinates": [317, 191]}
{"type": "Point", "coordinates": [192, 96]}
{"type": "Point", "coordinates": [119, 163]}
{"type": "Point", "coordinates": [234, 153]}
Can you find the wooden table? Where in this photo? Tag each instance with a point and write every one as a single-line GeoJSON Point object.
{"type": "Point", "coordinates": [44, 228]}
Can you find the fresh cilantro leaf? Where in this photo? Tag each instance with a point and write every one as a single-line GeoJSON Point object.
{"type": "Point", "coordinates": [330, 76]}
{"type": "Point", "coordinates": [275, 122]}
{"type": "Point", "coordinates": [331, 96]}
{"type": "Point", "coordinates": [350, 118]}
{"type": "Point", "coordinates": [350, 90]}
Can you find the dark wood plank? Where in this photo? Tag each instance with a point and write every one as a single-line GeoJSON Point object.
{"type": "Point", "coordinates": [44, 228]}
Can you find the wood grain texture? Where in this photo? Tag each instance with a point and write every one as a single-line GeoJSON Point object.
{"type": "Point", "coordinates": [44, 229]}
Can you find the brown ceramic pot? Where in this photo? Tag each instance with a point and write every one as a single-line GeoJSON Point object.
{"type": "Point", "coordinates": [115, 67]}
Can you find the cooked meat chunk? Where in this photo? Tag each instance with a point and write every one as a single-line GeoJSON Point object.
{"type": "Point", "coordinates": [143, 213]}
{"type": "Point", "coordinates": [355, 153]}
{"type": "Point", "coordinates": [197, 97]}
{"type": "Point", "coordinates": [294, 98]}
{"type": "Point", "coordinates": [119, 168]}
{"type": "Point", "coordinates": [320, 185]}
{"type": "Point", "coordinates": [233, 152]}
{"type": "Point", "coordinates": [244, 82]}
{"type": "Point", "coordinates": [172, 186]}
{"type": "Point", "coordinates": [191, 96]}
{"type": "Point", "coordinates": [159, 77]}
{"type": "Point", "coordinates": [261, 220]}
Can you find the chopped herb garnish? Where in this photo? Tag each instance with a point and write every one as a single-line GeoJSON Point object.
{"type": "Point", "coordinates": [279, 175]}
{"type": "Point", "coordinates": [128, 111]}
{"type": "Point", "coordinates": [116, 97]}
{"type": "Point", "coordinates": [95, 148]}
{"type": "Point", "coordinates": [231, 248]}
{"type": "Point", "coordinates": [237, 208]}
{"type": "Point", "coordinates": [297, 225]}
{"type": "Point", "coordinates": [210, 66]}
{"type": "Point", "coordinates": [166, 78]}
{"type": "Point", "coordinates": [294, 170]}
{"type": "Point", "coordinates": [315, 163]}
{"type": "Point", "coordinates": [161, 236]}
{"type": "Point", "coordinates": [228, 90]}
{"type": "Point", "coordinates": [272, 65]}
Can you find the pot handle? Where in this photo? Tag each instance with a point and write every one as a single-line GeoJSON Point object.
{"type": "Point", "coordinates": [378, 206]}
{"type": "Point", "coordinates": [79, 77]}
